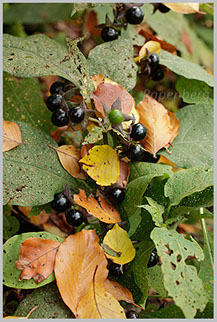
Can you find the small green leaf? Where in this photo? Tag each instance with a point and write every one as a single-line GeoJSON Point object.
{"type": "Point", "coordinates": [180, 280]}
{"type": "Point", "coordinates": [110, 251]}
{"type": "Point", "coordinates": [10, 255]}
{"type": "Point", "coordinates": [10, 223]}
{"type": "Point", "coordinates": [95, 135]}
{"type": "Point", "coordinates": [155, 280]}
{"type": "Point", "coordinates": [155, 210]}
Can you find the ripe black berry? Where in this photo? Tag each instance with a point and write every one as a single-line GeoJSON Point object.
{"type": "Point", "coordinates": [54, 102]}
{"type": "Point", "coordinates": [134, 15]}
{"type": "Point", "coordinates": [131, 315]}
{"type": "Point", "coordinates": [115, 269]}
{"type": "Point", "coordinates": [135, 153]}
{"type": "Point", "coordinates": [76, 114]}
{"type": "Point", "coordinates": [157, 73]}
{"type": "Point", "coordinates": [74, 217]}
{"type": "Point", "coordinates": [148, 157]}
{"type": "Point", "coordinates": [162, 8]}
{"type": "Point", "coordinates": [153, 60]}
{"type": "Point", "coordinates": [56, 87]}
{"type": "Point", "coordinates": [153, 260]}
{"type": "Point", "coordinates": [139, 132]}
{"type": "Point", "coordinates": [59, 118]}
{"type": "Point", "coordinates": [116, 195]}
{"type": "Point", "coordinates": [60, 203]}
{"type": "Point", "coordinates": [109, 34]}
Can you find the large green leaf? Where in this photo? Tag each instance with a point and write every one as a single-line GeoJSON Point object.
{"type": "Point", "coordinates": [185, 183]}
{"type": "Point", "coordinates": [185, 68]}
{"type": "Point", "coordinates": [10, 223]}
{"type": "Point", "coordinates": [35, 13]}
{"type": "Point", "coordinates": [194, 91]}
{"type": "Point", "coordinates": [115, 61]}
{"type": "Point", "coordinates": [33, 173]}
{"type": "Point", "coordinates": [155, 280]}
{"type": "Point", "coordinates": [193, 146]}
{"type": "Point", "coordinates": [180, 280]}
{"type": "Point", "coordinates": [49, 304]}
{"type": "Point", "coordinates": [23, 102]}
{"type": "Point", "coordinates": [11, 250]}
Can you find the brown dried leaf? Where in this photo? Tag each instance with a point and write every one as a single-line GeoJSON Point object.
{"type": "Point", "coordinates": [36, 258]}
{"type": "Point", "coordinates": [11, 135]}
{"type": "Point", "coordinates": [184, 7]}
{"type": "Point", "coordinates": [162, 126]}
{"type": "Point", "coordinates": [99, 209]}
{"type": "Point", "coordinates": [124, 174]}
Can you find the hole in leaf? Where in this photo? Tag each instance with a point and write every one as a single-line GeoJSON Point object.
{"type": "Point", "coordinates": [173, 266]}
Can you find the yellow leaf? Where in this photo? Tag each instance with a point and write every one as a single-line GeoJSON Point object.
{"type": "Point", "coordinates": [184, 7]}
{"type": "Point", "coordinates": [11, 135]}
{"type": "Point", "coordinates": [102, 165]}
{"type": "Point", "coordinates": [151, 46]}
{"type": "Point", "coordinates": [118, 240]}
{"type": "Point", "coordinates": [69, 157]}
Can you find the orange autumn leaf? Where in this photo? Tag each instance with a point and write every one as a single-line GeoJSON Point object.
{"type": "Point", "coordinates": [124, 174]}
{"type": "Point", "coordinates": [164, 160]}
{"type": "Point", "coordinates": [108, 92]}
{"type": "Point", "coordinates": [36, 258]}
{"type": "Point", "coordinates": [69, 156]}
{"type": "Point", "coordinates": [11, 135]}
{"type": "Point", "coordinates": [162, 126]}
{"type": "Point", "coordinates": [119, 292]}
{"type": "Point", "coordinates": [101, 209]}
{"type": "Point", "coordinates": [185, 8]}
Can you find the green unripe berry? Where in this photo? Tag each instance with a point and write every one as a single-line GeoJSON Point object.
{"type": "Point", "coordinates": [116, 116]}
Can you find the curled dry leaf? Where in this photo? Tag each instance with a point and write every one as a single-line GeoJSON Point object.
{"type": "Point", "coordinates": [102, 165]}
{"type": "Point", "coordinates": [11, 135]}
{"type": "Point", "coordinates": [69, 156]}
{"type": "Point", "coordinates": [99, 209]}
{"type": "Point", "coordinates": [151, 46]}
{"type": "Point", "coordinates": [162, 125]}
{"type": "Point", "coordinates": [184, 7]}
{"type": "Point", "coordinates": [108, 92]}
{"type": "Point", "coordinates": [36, 258]}
{"type": "Point", "coordinates": [124, 174]}
{"type": "Point", "coordinates": [118, 240]}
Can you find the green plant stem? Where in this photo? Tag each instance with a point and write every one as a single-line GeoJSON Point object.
{"type": "Point", "coordinates": [105, 138]}
{"type": "Point", "coordinates": [159, 296]}
{"type": "Point", "coordinates": [203, 224]}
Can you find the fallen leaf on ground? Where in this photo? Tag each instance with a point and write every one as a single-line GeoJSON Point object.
{"type": "Point", "coordinates": [102, 165]}
{"type": "Point", "coordinates": [124, 174]}
{"type": "Point", "coordinates": [184, 7]}
{"type": "Point", "coordinates": [162, 125]}
{"type": "Point", "coordinates": [151, 46]}
{"type": "Point", "coordinates": [101, 209]}
{"type": "Point", "coordinates": [119, 292]}
{"type": "Point", "coordinates": [11, 135]}
{"type": "Point", "coordinates": [164, 160]}
{"type": "Point", "coordinates": [36, 258]}
{"type": "Point", "coordinates": [69, 156]}
{"type": "Point", "coordinates": [118, 240]}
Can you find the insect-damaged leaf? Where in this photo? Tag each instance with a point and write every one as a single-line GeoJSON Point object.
{"type": "Point", "coordinates": [11, 135]}
{"type": "Point", "coordinates": [80, 271]}
{"type": "Point", "coordinates": [180, 280]}
{"type": "Point", "coordinates": [162, 125]}
{"type": "Point", "coordinates": [99, 209]}
{"type": "Point", "coordinates": [36, 258]}
{"type": "Point", "coordinates": [118, 240]}
{"type": "Point", "coordinates": [102, 165]}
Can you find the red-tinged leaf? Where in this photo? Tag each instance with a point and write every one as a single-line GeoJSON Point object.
{"type": "Point", "coordinates": [124, 174]}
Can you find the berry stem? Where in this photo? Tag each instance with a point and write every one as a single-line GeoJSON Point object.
{"type": "Point", "coordinates": [105, 138]}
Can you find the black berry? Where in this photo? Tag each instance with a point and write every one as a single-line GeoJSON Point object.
{"type": "Point", "coordinates": [116, 195]}
{"type": "Point", "coordinates": [115, 270]}
{"type": "Point", "coordinates": [109, 34]}
{"type": "Point", "coordinates": [153, 60]}
{"type": "Point", "coordinates": [131, 315]}
{"type": "Point", "coordinates": [56, 88]}
{"type": "Point", "coordinates": [59, 118]}
{"type": "Point", "coordinates": [153, 260]}
{"type": "Point", "coordinates": [54, 102]}
{"type": "Point", "coordinates": [162, 8]}
{"type": "Point", "coordinates": [76, 114]}
{"type": "Point", "coordinates": [157, 73]}
{"type": "Point", "coordinates": [60, 203]}
{"type": "Point", "coordinates": [135, 153]}
{"type": "Point", "coordinates": [148, 157]}
{"type": "Point", "coordinates": [74, 217]}
{"type": "Point", "coordinates": [139, 132]}
{"type": "Point", "coordinates": [134, 15]}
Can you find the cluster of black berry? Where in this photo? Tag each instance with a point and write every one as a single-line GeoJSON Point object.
{"type": "Point", "coordinates": [156, 70]}
{"type": "Point", "coordinates": [61, 115]}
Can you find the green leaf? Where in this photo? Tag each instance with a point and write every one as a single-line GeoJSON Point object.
{"type": "Point", "coordinates": [155, 280]}
{"type": "Point", "coordinates": [95, 135]}
{"type": "Point", "coordinates": [35, 211]}
{"type": "Point", "coordinates": [193, 146]}
{"type": "Point", "coordinates": [155, 210]}
{"type": "Point", "coordinates": [80, 7]}
{"type": "Point", "coordinates": [187, 182]}
{"type": "Point", "coordinates": [207, 265]}
{"type": "Point", "coordinates": [185, 68]}
{"type": "Point", "coordinates": [10, 223]}
{"type": "Point", "coordinates": [23, 102]}
{"type": "Point", "coordinates": [194, 91]}
{"type": "Point", "coordinates": [180, 280]}
{"type": "Point", "coordinates": [10, 254]}
{"type": "Point", "coordinates": [103, 9]}
{"type": "Point", "coordinates": [115, 61]}
{"type": "Point", "coordinates": [131, 33]}
{"type": "Point", "coordinates": [35, 13]}
{"type": "Point", "coordinates": [49, 304]}
{"type": "Point", "coordinates": [190, 213]}
{"type": "Point", "coordinates": [32, 172]}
